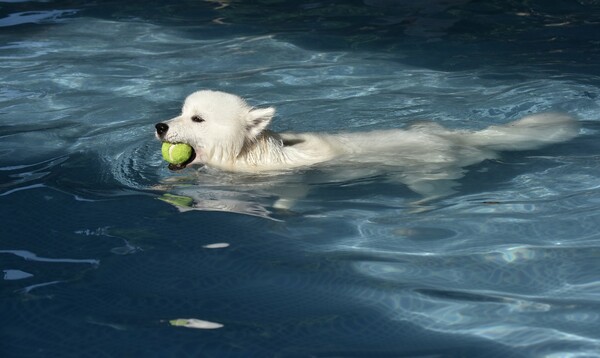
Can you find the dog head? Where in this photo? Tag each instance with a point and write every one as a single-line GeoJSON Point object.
{"type": "Point", "coordinates": [217, 125]}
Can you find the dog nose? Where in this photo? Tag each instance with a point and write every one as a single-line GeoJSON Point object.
{"type": "Point", "coordinates": [161, 128]}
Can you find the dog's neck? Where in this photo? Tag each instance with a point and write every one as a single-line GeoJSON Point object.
{"type": "Point", "coordinates": [271, 151]}
{"type": "Point", "coordinates": [267, 148]}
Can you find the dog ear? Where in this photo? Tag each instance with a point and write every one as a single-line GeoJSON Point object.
{"type": "Point", "coordinates": [258, 120]}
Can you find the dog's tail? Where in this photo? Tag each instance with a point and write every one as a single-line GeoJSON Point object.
{"type": "Point", "coordinates": [531, 132]}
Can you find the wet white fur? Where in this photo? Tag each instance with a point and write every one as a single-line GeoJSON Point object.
{"type": "Point", "coordinates": [234, 137]}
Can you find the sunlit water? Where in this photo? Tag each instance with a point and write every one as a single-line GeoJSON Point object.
{"type": "Point", "coordinates": [94, 264]}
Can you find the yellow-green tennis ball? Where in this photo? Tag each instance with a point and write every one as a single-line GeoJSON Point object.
{"type": "Point", "coordinates": [176, 153]}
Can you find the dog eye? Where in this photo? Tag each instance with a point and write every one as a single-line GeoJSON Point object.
{"type": "Point", "coordinates": [197, 119]}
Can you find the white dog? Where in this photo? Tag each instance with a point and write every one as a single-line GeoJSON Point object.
{"type": "Point", "coordinates": [226, 133]}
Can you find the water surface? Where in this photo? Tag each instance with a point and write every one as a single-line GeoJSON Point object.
{"type": "Point", "coordinates": [97, 261]}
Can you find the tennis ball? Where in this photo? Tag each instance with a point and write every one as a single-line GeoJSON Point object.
{"type": "Point", "coordinates": [176, 153]}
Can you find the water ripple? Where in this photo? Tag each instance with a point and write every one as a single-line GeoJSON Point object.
{"type": "Point", "coordinates": [511, 258]}
{"type": "Point", "coordinates": [35, 17]}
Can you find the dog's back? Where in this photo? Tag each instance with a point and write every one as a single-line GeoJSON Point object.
{"type": "Point", "coordinates": [431, 143]}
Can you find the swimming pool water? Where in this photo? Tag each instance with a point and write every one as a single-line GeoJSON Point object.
{"type": "Point", "coordinates": [97, 260]}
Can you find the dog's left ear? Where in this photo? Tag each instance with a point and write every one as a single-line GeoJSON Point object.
{"type": "Point", "coordinates": [258, 120]}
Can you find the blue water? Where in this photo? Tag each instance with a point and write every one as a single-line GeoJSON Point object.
{"type": "Point", "coordinates": [94, 264]}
